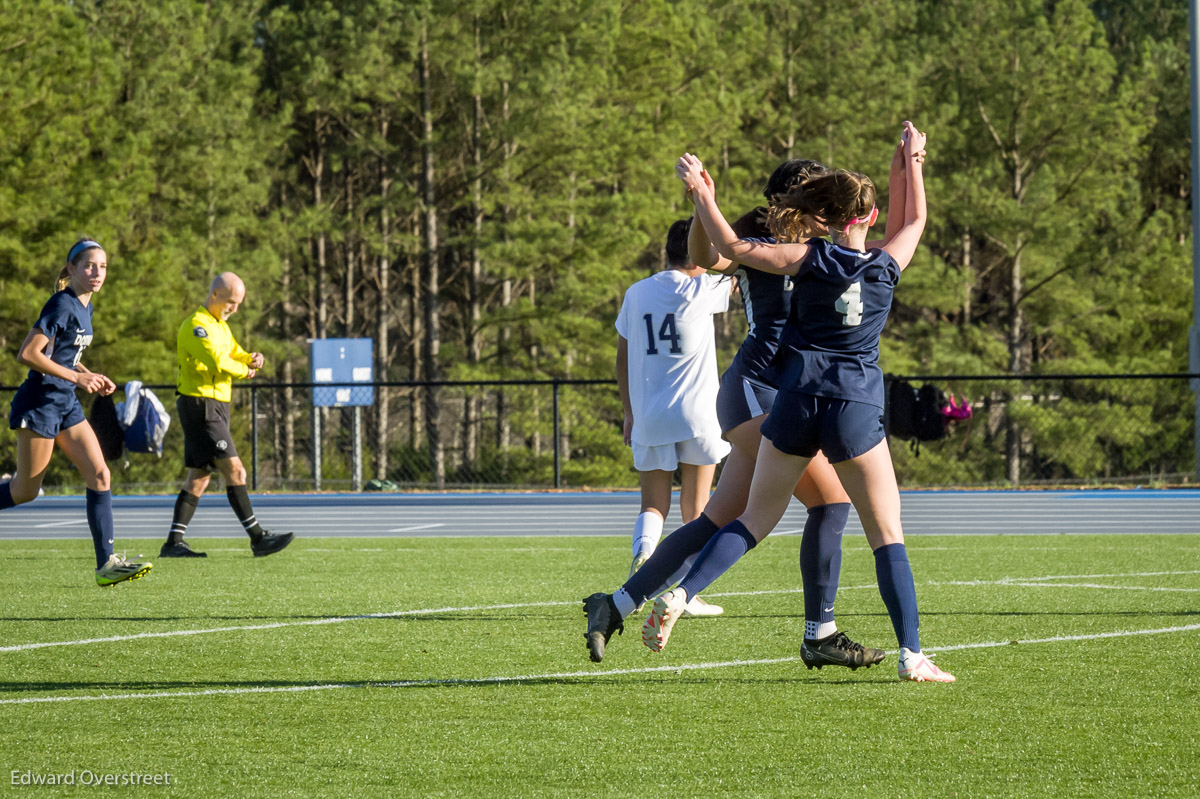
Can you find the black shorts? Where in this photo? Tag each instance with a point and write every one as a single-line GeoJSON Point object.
{"type": "Point", "coordinates": [206, 436]}
{"type": "Point", "coordinates": [800, 424]}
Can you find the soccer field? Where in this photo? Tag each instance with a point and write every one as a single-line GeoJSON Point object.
{"type": "Point", "coordinates": [457, 667]}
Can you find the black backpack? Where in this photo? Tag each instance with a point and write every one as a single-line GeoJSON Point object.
{"type": "Point", "coordinates": [900, 412]}
{"type": "Point", "coordinates": [932, 424]}
{"type": "Point", "coordinates": [915, 414]}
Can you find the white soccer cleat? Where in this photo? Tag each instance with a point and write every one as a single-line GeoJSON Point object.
{"type": "Point", "coordinates": [918, 668]}
{"type": "Point", "coordinates": [666, 611]}
{"type": "Point", "coordinates": [696, 606]}
{"type": "Point", "coordinates": [639, 560]}
{"type": "Point", "coordinates": [116, 569]}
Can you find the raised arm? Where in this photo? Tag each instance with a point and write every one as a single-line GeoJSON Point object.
{"type": "Point", "coordinates": [897, 188]}
{"type": "Point", "coordinates": [702, 252]}
{"type": "Point", "coordinates": [897, 196]}
{"type": "Point", "coordinates": [777, 258]}
{"type": "Point", "coordinates": [903, 244]}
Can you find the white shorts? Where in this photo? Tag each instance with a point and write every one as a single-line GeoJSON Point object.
{"type": "Point", "coordinates": [698, 451]}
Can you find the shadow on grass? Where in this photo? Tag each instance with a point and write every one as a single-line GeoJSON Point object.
{"type": "Point", "coordinates": [205, 618]}
{"type": "Point", "coordinates": [576, 679]}
{"type": "Point", "coordinates": [156, 685]}
{"type": "Point", "coordinates": [417, 615]}
{"type": "Point", "coordinates": [982, 613]}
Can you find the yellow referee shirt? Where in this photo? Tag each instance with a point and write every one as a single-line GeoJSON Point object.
{"type": "Point", "coordinates": [209, 357]}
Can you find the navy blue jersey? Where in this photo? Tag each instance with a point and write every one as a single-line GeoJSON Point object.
{"type": "Point", "coordinates": [67, 322]}
{"type": "Point", "coordinates": [840, 301]}
{"type": "Point", "coordinates": [765, 298]}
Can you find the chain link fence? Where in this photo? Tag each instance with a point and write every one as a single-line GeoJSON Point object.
{"type": "Point", "coordinates": [1053, 430]}
{"type": "Point", "coordinates": [1060, 430]}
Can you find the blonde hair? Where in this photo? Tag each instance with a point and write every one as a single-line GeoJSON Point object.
{"type": "Point", "coordinates": [833, 200]}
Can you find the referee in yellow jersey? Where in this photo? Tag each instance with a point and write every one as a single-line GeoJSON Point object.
{"type": "Point", "coordinates": [209, 360]}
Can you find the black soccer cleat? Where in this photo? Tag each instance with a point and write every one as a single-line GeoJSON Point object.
{"type": "Point", "coordinates": [839, 650]}
{"type": "Point", "coordinates": [180, 550]}
{"type": "Point", "coordinates": [270, 543]}
{"type": "Point", "coordinates": [603, 621]}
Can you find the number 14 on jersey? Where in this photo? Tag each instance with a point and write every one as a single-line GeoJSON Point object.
{"type": "Point", "coordinates": [666, 332]}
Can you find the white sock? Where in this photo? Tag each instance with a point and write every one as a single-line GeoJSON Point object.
{"type": "Point", "coordinates": [817, 630]}
{"type": "Point", "coordinates": [647, 531]}
{"type": "Point", "coordinates": [624, 602]}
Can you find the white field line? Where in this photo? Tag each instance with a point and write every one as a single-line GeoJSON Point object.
{"type": "Point", "coordinates": [1093, 576]}
{"type": "Point", "coordinates": [1076, 585]}
{"type": "Point", "coordinates": [1006, 581]}
{"type": "Point", "coordinates": [563, 675]}
{"type": "Point", "coordinates": [278, 625]}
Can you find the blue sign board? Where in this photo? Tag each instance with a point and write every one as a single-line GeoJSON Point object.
{"type": "Point", "coordinates": [342, 362]}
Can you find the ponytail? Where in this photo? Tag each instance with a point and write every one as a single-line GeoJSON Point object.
{"type": "Point", "coordinates": [834, 200]}
{"type": "Point", "coordinates": [63, 280]}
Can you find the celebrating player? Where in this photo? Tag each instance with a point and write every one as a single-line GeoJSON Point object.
{"type": "Point", "coordinates": [831, 386]}
{"type": "Point", "coordinates": [747, 392]}
{"type": "Point", "coordinates": [45, 410]}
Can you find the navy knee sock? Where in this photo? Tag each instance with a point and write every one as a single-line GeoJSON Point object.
{"type": "Point", "coordinates": [6, 500]}
{"type": "Point", "coordinates": [821, 559]}
{"type": "Point", "coordinates": [672, 551]}
{"type": "Point", "coordinates": [100, 522]}
{"type": "Point", "coordinates": [899, 593]}
{"type": "Point", "coordinates": [718, 556]}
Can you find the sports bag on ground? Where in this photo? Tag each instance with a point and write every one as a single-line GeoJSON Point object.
{"type": "Point", "coordinates": [144, 418]}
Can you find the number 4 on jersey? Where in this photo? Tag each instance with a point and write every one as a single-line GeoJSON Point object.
{"type": "Point", "coordinates": [666, 332]}
{"type": "Point", "coordinates": [850, 305]}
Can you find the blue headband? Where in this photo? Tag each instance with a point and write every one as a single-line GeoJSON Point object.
{"type": "Point", "coordinates": [86, 244]}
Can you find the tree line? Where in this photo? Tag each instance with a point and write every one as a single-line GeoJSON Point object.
{"type": "Point", "coordinates": [472, 184]}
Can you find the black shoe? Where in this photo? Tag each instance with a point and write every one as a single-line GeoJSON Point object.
{"type": "Point", "coordinates": [603, 621]}
{"type": "Point", "coordinates": [180, 550]}
{"type": "Point", "coordinates": [839, 650]}
{"type": "Point", "coordinates": [269, 543]}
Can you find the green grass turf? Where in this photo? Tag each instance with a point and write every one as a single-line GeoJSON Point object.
{"type": "Point", "coordinates": [1100, 718]}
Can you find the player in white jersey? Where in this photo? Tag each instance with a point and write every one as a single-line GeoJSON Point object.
{"type": "Point", "coordinates": [668, 380]}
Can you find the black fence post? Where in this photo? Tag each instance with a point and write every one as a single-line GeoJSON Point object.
{"type": "Point", "coordinates": [253, 438]}
{"type": "Point", "coordinates": [557, 454]}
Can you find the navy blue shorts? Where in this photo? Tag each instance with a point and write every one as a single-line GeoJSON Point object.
{"type": "Point", "coordinates": [44, 412]}
{"type": "Point", "coordinates": [741, 399]}
{"type": "Point", "coordinates": [802, 424]}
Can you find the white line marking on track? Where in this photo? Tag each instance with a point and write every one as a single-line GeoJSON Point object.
{"type": "Point", "coordinates": [564, 675]}
{"type": "Point", "coordinates": [60, 524]}
{"type": "Point", "coordinates": [412, 527]}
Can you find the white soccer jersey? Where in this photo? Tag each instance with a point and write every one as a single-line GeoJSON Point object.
{"type": "Point", "coordinates": [673, 380]}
